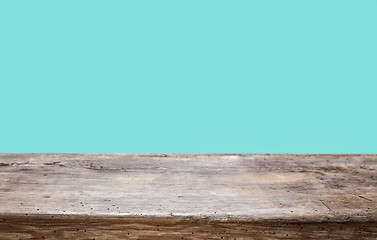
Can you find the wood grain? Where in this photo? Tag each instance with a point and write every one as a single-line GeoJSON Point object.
{"type": "Point", "coordinates": [112, 196]}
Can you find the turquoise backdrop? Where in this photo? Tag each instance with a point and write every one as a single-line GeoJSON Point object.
{"type": "Point", "coordinates": [195, 76]}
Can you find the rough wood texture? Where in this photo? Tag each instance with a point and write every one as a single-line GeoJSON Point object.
{"type": "Point", "coordinates": [111, 196]}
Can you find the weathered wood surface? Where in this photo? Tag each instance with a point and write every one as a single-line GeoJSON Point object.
{"type": "Point", "coordinates": [129, 196]}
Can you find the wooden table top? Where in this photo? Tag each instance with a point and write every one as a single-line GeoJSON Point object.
{"type": "Point", "coordinates": [214, 187]}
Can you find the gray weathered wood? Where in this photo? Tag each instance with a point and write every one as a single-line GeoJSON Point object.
{"type": "Point", "coordinates": [219, 189]}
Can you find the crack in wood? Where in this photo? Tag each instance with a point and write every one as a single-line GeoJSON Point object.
{"type": "Point", "coordinates": [365, 198]}
{"type": "Point", "coordinates": [325, 204]}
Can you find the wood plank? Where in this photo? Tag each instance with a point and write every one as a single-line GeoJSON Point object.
{"type": "Point", "coordinates": [170, 196]}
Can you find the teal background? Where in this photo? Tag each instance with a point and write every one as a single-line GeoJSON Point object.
{"type": "Point", "coordinates": [198, 76]}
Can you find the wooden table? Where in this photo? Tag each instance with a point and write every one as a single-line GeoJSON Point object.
{"type": "Point", "coordinates": [178, 196]}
